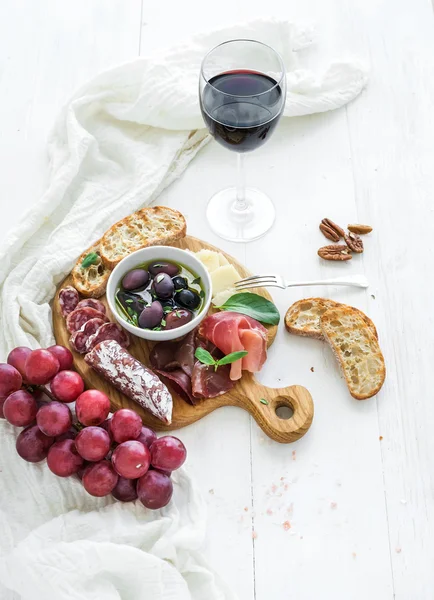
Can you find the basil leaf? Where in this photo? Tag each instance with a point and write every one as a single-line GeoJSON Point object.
{"type": "Point", "coordinates": [232, 357]}
{"type": "Point", "coordinates": [91, 259]}
{"type": "Point", "coordinates": [196, 281]}
{"type": "Point", "coordinates": [204, 356]}
{"type": "Point", "coordinates": [163, 323]}
{"type": "Point", "coordinates": [253, 305]}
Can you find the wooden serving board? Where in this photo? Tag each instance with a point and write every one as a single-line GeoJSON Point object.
{"type": "Point", "coordinates": [246, 394]}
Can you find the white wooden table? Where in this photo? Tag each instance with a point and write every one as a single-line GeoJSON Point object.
{"type": "Point", "coordinates": [348, 511]}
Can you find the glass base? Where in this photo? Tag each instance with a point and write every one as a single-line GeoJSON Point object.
{"type": "Point", "coordinates": [238, 224]}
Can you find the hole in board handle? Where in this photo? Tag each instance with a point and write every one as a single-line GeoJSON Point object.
{"type": "Point", "coordinates": [284, 409]}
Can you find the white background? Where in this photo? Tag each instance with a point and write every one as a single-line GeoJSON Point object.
{"type": "Point", "coordinates": [342, 514]}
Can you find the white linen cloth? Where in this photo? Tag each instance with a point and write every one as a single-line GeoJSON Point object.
{"type": "Point", "coordinates": [120, 140]}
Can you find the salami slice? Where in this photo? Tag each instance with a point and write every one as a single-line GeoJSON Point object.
{"type": "Point", "coordinates": [68, 300]}
{"type": "Point", "coordinates": [132, 378]}
{"type": "Point", "coordinates": [80, 338]}
{"type": "Point", "coordinates": [80, 316]}
{"type": "Point", "coordinates": [92, 303]}
{"type": "Point", "coordinates": [109, 331]}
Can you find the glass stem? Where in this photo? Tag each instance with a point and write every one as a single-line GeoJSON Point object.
{"type": "Point", "coordinates": [240, 203]}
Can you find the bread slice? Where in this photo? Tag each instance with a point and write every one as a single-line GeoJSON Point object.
{"type": "Point", "coordinates": [356, 349]}
{"type": "Point", "coordinates": [149, 226]}
{"type": "Point", "coordinates": [303, 317]}
{"type": "Point", "coordinates": [90, 281]}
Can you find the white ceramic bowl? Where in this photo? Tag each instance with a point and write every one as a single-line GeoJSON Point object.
{"type": "Point", "coordinates": [150, 254]}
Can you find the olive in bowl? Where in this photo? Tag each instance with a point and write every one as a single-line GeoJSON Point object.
{"type": "Point", "coordinates": [173, 302]}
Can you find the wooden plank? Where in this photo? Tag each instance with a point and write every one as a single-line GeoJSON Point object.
{"type": "Point", "coordinates": [391, 135]}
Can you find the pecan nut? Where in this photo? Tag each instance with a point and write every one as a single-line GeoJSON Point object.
{"type": "Point", "coordinates": [360, 229]}
{"type": "Point", "coordinates": [335, 252]}
{"type": "Point", "coordinates": [329, 233]}
{"type": "Point", "coordinates": [354, 242]}
{"type": "Point", "coordinates": [338, 230]}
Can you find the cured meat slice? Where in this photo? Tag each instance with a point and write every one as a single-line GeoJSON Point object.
{"type": "Point", "coordinates": [92, 303]}
{"type": "Point", "coordinates": [109, 331]}
{"type": "Point", "coordinates": [231, 332]}
{"type": "Point", "coordinates": [132, 378]}
{"type": "Point", "coordinates": [190, 378]}
{"type": "Point", "coordinates": [80, 338]}
{"type": "Point", "coordinates": [207, 382]}
{"type": "Point", "coordinates": [168, 356]}
{"type": "Point", "coordinates": [68, 300]}
{"type": "Point", "coordinates": [80, 316]}
{"type": "Point", "coordinates": [180, 382]}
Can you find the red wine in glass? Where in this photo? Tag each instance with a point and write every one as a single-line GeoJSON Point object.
{"type": "Point", "coordinates": [241, 108]}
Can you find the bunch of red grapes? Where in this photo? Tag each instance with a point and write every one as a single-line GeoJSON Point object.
{"type": "Point", "coordinates": [115, 455]}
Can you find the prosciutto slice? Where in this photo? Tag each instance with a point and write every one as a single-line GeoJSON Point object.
{"type": "Point", "coordinates": [232, 332]}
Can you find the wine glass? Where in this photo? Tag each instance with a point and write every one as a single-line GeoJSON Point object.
{"type": "Point", "coordinates": [242, 92]}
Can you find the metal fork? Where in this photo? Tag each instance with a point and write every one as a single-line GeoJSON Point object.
{"type": "Point", "coordinates": [275, 280]}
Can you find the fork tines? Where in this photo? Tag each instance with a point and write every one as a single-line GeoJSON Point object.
{"type": "Point", "coordinates": [257, 281]}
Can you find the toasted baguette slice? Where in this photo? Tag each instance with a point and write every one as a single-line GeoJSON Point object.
{"type": "Point", "coordinates": [303, 317]}
{"type": "Point", "coordinates": [149, 226]}
{"type": "Point", "coordinates": [90, 281]}
{"type": "Point", "coordinates": [356, 349]}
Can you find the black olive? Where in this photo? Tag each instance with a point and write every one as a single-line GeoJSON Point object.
{"type": "Point", "coordinates": [188, 299]}
{"type": "Point", "coordinates": [131, 301]}
{"type": "Point", "coordinates": [162, 266]}
{"type": "Point", "coordinates": [163, 286]}
{"type": "Point", "coordinates": [151, 316]}
{"type": "Point", "coordinates": [180, 283]}
{"type": "Point", "coordinates": [135, 279]}
{"type": "Point", "coordinates": [177, 318]}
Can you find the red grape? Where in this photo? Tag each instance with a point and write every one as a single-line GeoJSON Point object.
{"type": "Point", "coordinates": [99, 479]}
{"type": "Point", "coordinates": [168, 453]}
{"type": "Point", "coordinates": [63, 355]}
{"type": "Point", "coordinates": [66, 386]}
{"type": "Point", "coordinates": [93, 443]}
{"type": "Point", "coordinates": [147, 436]}
{"type": "Point", "coordinates": [32, 445]}
{"type": "Point", "coordinates": [131, 459]}
{"type": "Point", "coordinates": [125, 490]}
{"type": "Point", "coordinates": [92, 407]}
{"type": "Point", "coordinates": [17, 358]}
{"type": "Point", "coordinates": [41, 366]}
{"type": "Point", "coordinates": [10, 379]}
{"type": "Point", "coordinates": [2, 401]}
{"type": "Point", "coordinates": [54, 418]}
{"type": "Point", "coordinates": [20, 408]}
{"type": "Point", "coordinates": [63, 459]}
{"type": "Point", "coordinates": [107, 426]}
{"type": "Point", "coordinates": [154, 489]}
{"type": "Point", "coordinates": [125, 425]}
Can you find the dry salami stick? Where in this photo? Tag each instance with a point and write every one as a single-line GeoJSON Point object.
{"type": "Point", "coordinates": [132, 378]}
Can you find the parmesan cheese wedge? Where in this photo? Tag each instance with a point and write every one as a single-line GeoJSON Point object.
{"type": "Point", "coordinates": [224, 278]}
{"type": "Point", "coordinates": [221, 297]}
{"type": "Point", "coordinates": [210, 259]}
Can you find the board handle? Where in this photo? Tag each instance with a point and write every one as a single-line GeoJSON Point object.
{"type": "Point", "coordinates": [269, 407]}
